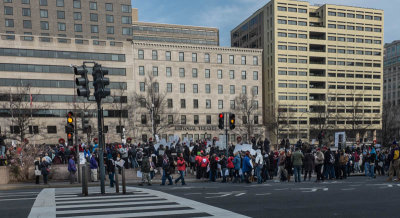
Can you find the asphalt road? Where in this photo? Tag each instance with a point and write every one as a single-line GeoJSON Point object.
{"type": "Point", "coordinates": [17, 203]}
{"type": "Point", "coordinates": [354, 197]}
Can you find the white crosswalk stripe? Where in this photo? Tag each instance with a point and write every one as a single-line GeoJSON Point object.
{"type": "Point", "coordinates": [138, 202]}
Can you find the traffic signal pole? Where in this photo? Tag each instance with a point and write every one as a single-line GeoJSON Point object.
{"type": "Point", "coordinates": [101, 146]}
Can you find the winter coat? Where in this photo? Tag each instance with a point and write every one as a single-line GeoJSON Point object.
{"type": "Point", "coordinates": [181, 164]}
{"type": "Point", "coordinates": [236, 162]}
{"type": "Point", "coordinates": [93, 163]}
{"type": "Point", "coordinates": [145, 168]}
{"type": "Point", "coordinates": [45, 168]}
{"type": "Point", "coordinates": [230, 163]}
{"type": "Point", "coordinates": [246, 164]}
{"type": "Point", "coordinates": [297, 158]}
{"type": "Point", "coordinates": [309, 162]}
{"type": "Point", "coordinates": [204, 162]}
{"type": "Point", "coordinates": [319, 158]}
{"type": "Point", "coordinates": [259, 158]}
{"type": "Point", "coordinates": [71, 165]}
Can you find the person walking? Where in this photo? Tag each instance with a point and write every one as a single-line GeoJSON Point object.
{"type": "Point", "coordinates": [145, 169]}
{"type": "Point", "coordinates": [223, 162]}
{"type": "Point", "coordinates": [289, 165]}
{"type": "Point", "coordinates": [343, 159]}
{"type": "Point", "coordinates": [72, 169]}
{"type": "Point", "coordinates": [181, 169]}
{"type": "Point", "coordinates": [259, 165]}
{"type": "Point", "coordinates": [45, 169]}
{"type": "Point", "coordinates": [297, 160]}
{"type": "Point", "coordinates": [319, 161]}
{"type": "Point", "coordinates": [247, 167]}
{"type": "Point", "coordinates": [282, 173]}
{"type": "Point", "coordinates": [93, 168]}
{"type": "Point", "coordinates": [329, 161]}
{"type": "Point", "coordinates": [309, 160]}
{"type": "Point", "coordinates": [236, 163]}
{"type": "Point", "coordinates": [111, 169]}
{"type": "Point", "coordinates": [38, 172]}
{"type": "Point", "coordinates": [213, 167]}
{"type": "Point", "coordinates": [394, 158]}
{"type": "Point", "coordinates": [166, 171]}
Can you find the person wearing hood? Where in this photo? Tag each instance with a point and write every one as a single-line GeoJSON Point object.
{"type": "Point", "coordinates": [247, 167]}
{"type": "Point", "coordinates": [236, 163]}
{"type": "Point", "coordinates": [259, 165]}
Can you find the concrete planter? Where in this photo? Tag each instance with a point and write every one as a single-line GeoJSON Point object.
{"type": "Point", "coordinates": [4, 175]}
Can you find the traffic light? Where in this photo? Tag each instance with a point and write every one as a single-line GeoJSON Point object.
{"type": "Point", "coordinates": [221, 121]}
{"type": "Point", "coordinates": [231, 121]}
{"type": "Point", "coordinates": [82, 82]}
{"type": "Point", "coordinates": [100, 82]}
{"type": "Point", "coordinates": [85, 122]}
{"type": "Point", "coordinates": [69, 128]}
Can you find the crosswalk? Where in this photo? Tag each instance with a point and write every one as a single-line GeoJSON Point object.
{"type": "Point", "coordinates": [138, 202]}
{"type": "Point", "coordinates": [6, 196]}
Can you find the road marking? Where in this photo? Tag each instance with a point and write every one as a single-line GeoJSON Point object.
{"type": "Point", "coordinates": [155, 207]}
{"type": "Point", "coordinates": [259, 185]}
{"type": "Point", "coordinates": [264, 194]}
{"type": "Point", "coordinates": [45, 204]}
{"type": "Point", "coordinates": [17, 199]}
{"type": "Point", "coordinates": [220, 196]}
{"type": "Point", "coordinates": [240, 194]}
{"type": "Point", "coordinates": [113, 204]}
{"type": "Point", "coordinates": [193, 194]}
{"type": "Point", "coordinates": [281, 189]}
{"type": "Point", "coordinates": [145, 214]}
{"type": "Point", "coordinates": [109, 200]}
{"type": "Point", "coordinates": [347, 189]}
{"type": "Point", "coordinates": [108, 197]}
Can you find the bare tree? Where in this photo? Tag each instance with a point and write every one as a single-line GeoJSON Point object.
{"type": "Point", "coordinates": [126, 109]}
{"type": "Point", "coordinates": [277, 119]}
{"type": "Point", "coordinates": [390, 126]}
{"type": "Point", "coordinates": [247, 111]}
{"type": "Point", "coordinates": [153, 102]}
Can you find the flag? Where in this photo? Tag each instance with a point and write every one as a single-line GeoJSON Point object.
{"type": "Point", "coordinates": [30, 97]}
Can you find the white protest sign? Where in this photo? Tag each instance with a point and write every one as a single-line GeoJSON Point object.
{"type": "Point", "coordinates": [82, 159]}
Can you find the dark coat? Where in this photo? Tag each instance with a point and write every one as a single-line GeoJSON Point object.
{"type": "Point", "coordinates": [309, 162]}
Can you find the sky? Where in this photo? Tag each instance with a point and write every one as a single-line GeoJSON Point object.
{"type": "Point", "coordinates": [227, 14]}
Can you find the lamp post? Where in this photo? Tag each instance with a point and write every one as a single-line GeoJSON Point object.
{"type": "Point", "coordinates": [152, 119]}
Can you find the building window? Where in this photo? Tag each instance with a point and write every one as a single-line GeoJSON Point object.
{"type": "Point", "coordinates": [93, 5]}
{"type": "Point", "coordinates": [78, 27]}
{"type": "Point", "coordinates": [195, 88]}
{"type": "Point", "coordinates": [8, 10]}
{"type": "Point", "coordinates": [155, 71]}
{"type": "Point", "coordinates": [126, 20]}
{"type": "Point", "coordinates": [243, 75]}
{"type": "Point", "coordinates": [44, 13]}
{"type": "Point", "coordinates": [220, 89]}
{"type": "Point", "coordinates": [183, 103]}
{"type": "Point", "coordinates": [231, 59]}
{"type": "Point", "coordinates": [167, 55]}
{"type": "Point", "coordinates": [62, 27]}
{"type": "Point", "coordinates": [195, 103]}
{"type": "Point", "coordinates": [207, 58]}
{"type": "Point", "coordinates": [168, 71]}
{"type": "Point", "coordinates": [126, 8]}
{"type": "Point", "coordinates": [77, 16]}
{"type": "Point", "coordinates": [15, 130]}
{"type": "Point", "coordinates": [93, 17]}
{"type": "Point", "coordinates": [156, 87]}
{"type": "Point", "coordinates": [208, 103]}
{"type": "Point", "coordinates": [181, 72]}
{"type": "Point", "coordinates": [170, 103]}
{"type": "Point", "coordinates": [182, 87]}
{"type": "Point", "coordinates": [109, 7]}
{"type": "Point", "coordinates": [194, 72]}
{"type": "Point", "coordinates": [77, 3]}
{"type": "Point", "coordinates": [94, 28]}
{"type": "Point", "coordinates": [219, 59]}
{"type": "Point", "coordinates": [169, 87]}
{"type": "Point", "coordinates": [141, 54]}
{"type": "Point", "coordinates": [60, 3]}
{"type": "Point", "coordinates": [196, 119]}
{"type": "Point", "coordinates": [141, 70]}
{"type": "Point", "coordinates": [61, 15]}
{"type": "Point", "coordinates": [26, 12]}
{"type": "Point", "coordinates": [154, 55]}
{"type": "Point", "coordinates": [255, 90]}
{"type": "Point", "coordinates": [181, 56]}
{"type": "Point", "coordinates": [219, 74]}
{"type": "Point", "coordinates": [232, 104]}
{"type": "Point", "coordinates": [142, 87]}
{"type": "Point", "coordinates": [44, 25]}
{"type": "Point", "coordinates": [255, 75]}
{"type": "Point", "coordinates": [194, 57]}
{"type": "Point", "coordinates": [110, 30]}
{"type": "Point", "coordinates": [143, 119]}
{"type": "Point", "coordinates": [208, 88]}
{"type": "Point", "coordinates": [243, 60]}
{"type": "Point", "coordinates": [170, 119]}
{"type": "Point", "coordinates": [183, 119]}
{"type": "Point", "coordinates": [232, 89]}
{"type": "Point", "coordinates": [255, 60]}
{"type": "Point", "coordinates": [220, 104]}
{"type": "Point", "coordinates": [23, 1]}
{"type": "Point", "coordinates": [231, 74]}
{"type": "Point", "coordinates": [244, 90]}
{"type": "Point", "coordinates": [7, 1]}
{"type": "Point", "coordinates": [255, 119]}
{"type": "Point", "coordinates": [109, 18]}
{"type": "Point", "coordinates": [208, 119]}
{"type": "Point", "coordinates": [33, 129]}
{"type": "Point", "coordinates": [207, 73]}
{"type": "Point", "coordinates": [52, 129]}
{"type": "Point", "coordinates": [127, 31]}
{"type": "Point", "coordinates": [43, 2]}
{"type": "Point", "coordinates": [27, 24]}
{"type": "Point", "coordinates": [119, 129]}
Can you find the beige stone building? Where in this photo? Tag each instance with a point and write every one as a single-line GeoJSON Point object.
{"type": "Point", "coordinates": [322, 68]}
{"type": "Point", "coordinates": [170, 33]}
{"type": "Point", "coordinates": [198, 83]}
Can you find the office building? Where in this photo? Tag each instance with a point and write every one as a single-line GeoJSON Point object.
{"type": "Point", "coordinates": [322, 68]}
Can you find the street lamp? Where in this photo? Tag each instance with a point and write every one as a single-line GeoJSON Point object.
{"type": "Point", "coordinates": [152, 119]}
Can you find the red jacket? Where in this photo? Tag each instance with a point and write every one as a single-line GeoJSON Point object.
{"type": "Point", "coordinates": [204, 162]}
{"type": "Point", "coordinates": [230, 163]}
{"type": "Point", "coordinates": [198, 160]}
{"type": "Point", "coordinates": [181, 164]}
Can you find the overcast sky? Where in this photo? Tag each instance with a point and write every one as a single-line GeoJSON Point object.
{"type": "Point", "coordinates": [227, 14]}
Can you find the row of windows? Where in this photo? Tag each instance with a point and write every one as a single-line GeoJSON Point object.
{"type": "Point", "coordinates": [207, 73]}
{"type": "Point", "coordinates": [182, 88]}
{"type": "Point", "coordinates": [51, 83]}
{"type": "Point", "coordinates": [62, 113]}
{"type": "Point", "coordinates": [350, 99]}
{"type": "Point", "coordinates": [52, 129]}
{"type": "Point", "coordinates": [357, 40]}
{"type": "Point", "coordinates": [292, 85]}
{"type": "Point", "coordinates": [352, 15]}
{"type": "Point", "coordinates": [351, 75]}
{"type": "Point", "coordinates": [77, 4]}
{"type": "Point", "coordinates": [292, 73]}
{"type": "Point", "coordinates": [232, 104]}
{"type": "Point", "coordinates": [292, 35]}
{"type": "Point", "coordinates": [291, 9]}
{"type": "Point", "coordinates": [352, 87]}
{"type": "Point", "coordinates": [175, 40]}
{"type": "Point", "coordinates": [293, 60]}
{"type": "Point", "coordinates": [352, 51]}
{"type": "Point", "coordinates": [351, 27]}
{"type": "Point", "coordinates": [61, 54]}
{"type": "Point", "coordinates": [174, 30]}
{"type": "Point", "coordinates": [292, 48]}
{"type": "Point", "coordinates": [353, 64]}
{"type": "Point", "coordinates": [292, 22]}
{"type": "Point", "coordinates": [181, 57]}
{"type": "Point", "coordinates": [60, 98]}
{"type": "Point", "coordinates": [53, 69]}
{"type": "Point", "coordinates": [196, 119]}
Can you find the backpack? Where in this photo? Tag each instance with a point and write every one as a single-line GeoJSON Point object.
{"type": "Point", "coordinates": [331, 159]}
{"type": "Point", "coordinates": [396, 154]}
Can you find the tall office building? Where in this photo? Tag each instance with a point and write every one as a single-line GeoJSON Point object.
{"type": "Point", "coordinates": [322, 68]}
{"type": "Point", "coordinates": [94, 19]}
{"type": "Point", "coordinates": [391, 73]}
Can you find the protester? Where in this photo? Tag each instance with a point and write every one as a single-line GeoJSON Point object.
{"type": "Point", "coordinates": [309, 161]}
{"type": "Point", "coordinates": [44, 166]}
{"type": "Point", "coordinates": [72, 170]}
{"type": "Point", "coordinates": [38, 172]}
{"type": "Point", "coordinates": [93, 168]}
{"type": "Point", "coordinates": [166, 171]}
{"type": "Point", "coordinates": [181, 169]}
{"type": "Point", "coordinates": [145, 170]}
{"type": "Point", "coordinates": [297, 159]}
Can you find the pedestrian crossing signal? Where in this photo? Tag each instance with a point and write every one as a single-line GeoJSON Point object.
{"type": "Point", "coordinates": [221, 121]}
{"type": "Point", "coordinates": [231, 121]}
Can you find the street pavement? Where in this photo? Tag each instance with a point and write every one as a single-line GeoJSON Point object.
{"type": "Point", "coordinates": [354, 197]}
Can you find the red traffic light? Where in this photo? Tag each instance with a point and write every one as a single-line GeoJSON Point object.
{"type": "Point", "coordinates": [221, 115]}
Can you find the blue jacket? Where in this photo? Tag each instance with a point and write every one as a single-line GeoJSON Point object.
{"type": "Point", "coordinates": [93, 163]}
{"type": "Point", "coordinates": [246, 164]}
{"type": "Point", "coordinates": [71, 165]}
{"type": "Point", "coordinates": [236, 162]}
